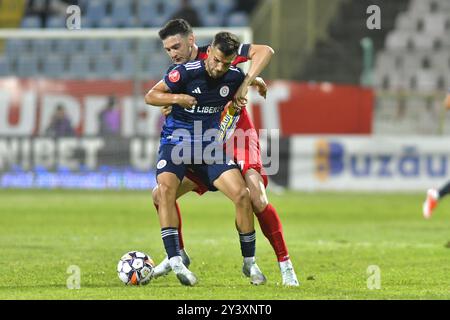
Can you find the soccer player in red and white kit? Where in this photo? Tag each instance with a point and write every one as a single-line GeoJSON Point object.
{"type": "Point", "coordinates": [179, 42]}
{"type": "Point", "coordinates": [435, 195]}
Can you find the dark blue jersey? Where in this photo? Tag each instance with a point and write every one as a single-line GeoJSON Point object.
{"type": "Point", "coordinates": [212, 95]}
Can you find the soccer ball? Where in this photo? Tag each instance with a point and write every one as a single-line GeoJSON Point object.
{"type": "Point", "coordinates": [135, 268]}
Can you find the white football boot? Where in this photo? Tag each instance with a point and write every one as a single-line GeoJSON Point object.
{"type": "Point", "coordinates": [252, 271]}
{"type": "Point", "coordinates": [163, 268]}
{"type": "Point", "coordinates": [288, 274]}
{"type": "Point", "coordinates": [183, 274]}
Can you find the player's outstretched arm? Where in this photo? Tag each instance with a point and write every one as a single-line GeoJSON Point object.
{"type": "Point", "coordinates": [260, 56]}
{"type": "Point", "coordinates": [160, 96]}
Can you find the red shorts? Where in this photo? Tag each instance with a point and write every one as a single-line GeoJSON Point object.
{"type": "Point", "coordinates": [246, 151]}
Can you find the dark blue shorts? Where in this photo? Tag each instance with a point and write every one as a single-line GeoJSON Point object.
{"type": "Point", "coordinates": [207, 173]}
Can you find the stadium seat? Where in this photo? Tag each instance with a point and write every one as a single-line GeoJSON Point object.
{"type": "Point", "coordinates": [93, 47]}
{"type": "Point", "coordinates": [13, 46]}
{"type": "Point", "coordinates": [104, 67]}
{"type": "Point", "coordinates": [224, 7]}
{"type": "Point", "coordinates": [147, 47]}
{"type": "Point", "coordinates": [125, 69]}
{"type": "Point", "coordinates": [67, 46]}
{"type": "Point", "coordinates": [426, 80]}
{"type": "Point", "coordinates": [405, 22]}
{"type": "Point", "coordinates": [119, 47]}
{"type": "Point", "coordinates": [106, 22]}
{"type": "Point", "coordinates": [27, 66]}
{"type": "Point", "coordinates": [422, 6]}
{"type": "Point", "coordinates": [53, 66]}
{"type": "Point", "coordinates": [79, 67]}
{"type": "Point", "coordinates": [171, 6]}
{"type": "Point", "coordinates": [31, 22]}
{"type": "Point", "coordinates": [435, 23]}
{"type": "Point", "coordinates": [423, 42]}
{"type": "Point", "coordinates": [95, 10]}
{"type": "Point", "coordinates": [412, 61]}
{"type": "Point", "coordinates": [202, 7]}
{"type": "Point", "coordinates": [385, 61]}
{"type": "Point", "coordinates": [55, 22]}
{"type": "Point", "coordinates": [5, 69]}
{"type": "Point", "coordinates": [238, 19]}
{"type": "Point", "coordinates": [212, 20]}
{"type": "Point", "coordinates": [86, 23]}
{"type": "Point", "coordinates": [121, 13]}
{"type": "Point", "coordinates": [151, 13]}
{"type": "Point", "coordinates": [397, 40]}
{"type": "Point", "coordinates": [40, 47]}
{"type": "Point", "coordinates": [145, 13]}
{"type": "Point", "coordinates": [441, 61]}
{"type": "Point", "coordinates": [155, 67]}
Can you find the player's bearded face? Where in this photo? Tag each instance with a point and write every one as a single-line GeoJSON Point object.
{"type": "Point", "coordinates": [179, 48]}
{"type": "Point", "coordinates": [217, 64]}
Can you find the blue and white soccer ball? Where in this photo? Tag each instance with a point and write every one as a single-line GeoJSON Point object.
{"type": "Point", "coordinates": [135, 268]}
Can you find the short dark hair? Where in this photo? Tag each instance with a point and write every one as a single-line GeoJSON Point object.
{"type": "Point", "coordinates": [174, 27]}
{"type": "Point", "coordinates": [226, 42]}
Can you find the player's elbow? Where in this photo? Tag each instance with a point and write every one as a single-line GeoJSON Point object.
{"type": "Point", "coordinates": [269, 50]}
{"type": "Point", "coordinates": [150, 97]}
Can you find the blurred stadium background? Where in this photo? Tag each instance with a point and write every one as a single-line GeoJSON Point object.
{"type": "Point", "coordinates": [356, 108]}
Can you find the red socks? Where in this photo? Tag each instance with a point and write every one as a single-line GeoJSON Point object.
{"type": "Point", "coordinates": [270, 224]}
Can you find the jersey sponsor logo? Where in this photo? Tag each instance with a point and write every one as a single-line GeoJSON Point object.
{"type": "Point", "coordinates": [174, 76]}
{"type": "Point", "coordinates": [197, 90]}
{"type": "Point", "coordinates": [205, 109]}
{"type": "Point", "coordinates": [161, 164]}
{"type": "Point", "coordinates": [224, 91]}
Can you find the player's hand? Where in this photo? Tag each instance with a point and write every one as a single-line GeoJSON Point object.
{"type": "Point", "coordinates": [232, 105]}
{"type": "Point", "coordinates": [166, 110]}
{"type": "Point", "coordinates": [186, 101]}
{"type": "Point", "coordinates": [240, 98]}
{"type": "Point", "coordinates": [261, 86]}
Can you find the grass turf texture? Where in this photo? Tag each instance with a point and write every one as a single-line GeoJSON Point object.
{"type": "Point", "coordinates": [332, 239]}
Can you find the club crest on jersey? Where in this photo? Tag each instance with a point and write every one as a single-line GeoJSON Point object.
{"type": "Point", "coordinates": [224, 91]}
{"type": "Point", "coordinates": [161, 164]}
{"type": "Point", "coordinates": [174, 76]}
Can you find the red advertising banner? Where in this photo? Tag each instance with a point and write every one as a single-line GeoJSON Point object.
{"type": "Point", "coordinates": [28, 106]}
{"type": "Point", "coordinates": [315, 108]}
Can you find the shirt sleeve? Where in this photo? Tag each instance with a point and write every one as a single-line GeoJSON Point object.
{"type": "Point", "coordinates": [244, 50]}
{"type": "Point", "coordinates": [176, 79]}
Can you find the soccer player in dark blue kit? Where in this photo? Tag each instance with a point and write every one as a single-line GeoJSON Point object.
{"type": "Point", "coordinates": [199, 91]}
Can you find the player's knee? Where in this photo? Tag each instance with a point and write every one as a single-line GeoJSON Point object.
{"type": "Point", "coordinates": [242, 197]}
{"type": "Point", "coordinates": [166, 192]}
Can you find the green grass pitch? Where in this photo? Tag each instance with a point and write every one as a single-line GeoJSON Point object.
{"type": "Point", "coordinates": [332, 238]}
